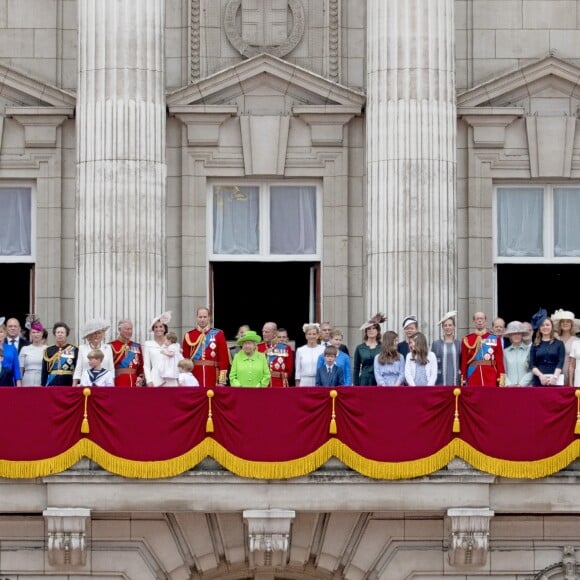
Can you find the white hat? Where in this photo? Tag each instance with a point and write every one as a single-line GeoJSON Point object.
{"type": "Point", "coordinates": [448, 315]}
{"type": "Point", "coordinates": [560, 315]}
{"type": "Point", "coordinates": [515, 327]}
{"type": "Point", "coordinates": [94, 325]}
{"type": "Point", "coordinates": [409, 320]}
{"type": "Point", "coordinates": [164, 318]}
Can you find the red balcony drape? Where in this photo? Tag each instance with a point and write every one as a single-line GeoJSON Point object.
{"type": "Point", "coordinates": [381, 432]}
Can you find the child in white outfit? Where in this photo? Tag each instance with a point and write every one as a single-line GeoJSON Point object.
{"type": "Point", "coordinates": [186, 378]}
{"type": "Point", "coordinates": [170, 357]}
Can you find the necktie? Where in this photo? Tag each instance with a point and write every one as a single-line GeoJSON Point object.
{"type": "Point", "coordinates": [13, 341]}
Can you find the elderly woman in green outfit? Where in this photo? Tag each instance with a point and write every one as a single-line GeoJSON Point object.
{"type": "Point", "coordinates": [249, 367]}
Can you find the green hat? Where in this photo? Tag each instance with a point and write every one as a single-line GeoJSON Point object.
{"type": "Point", "coordinates": [249, 335]}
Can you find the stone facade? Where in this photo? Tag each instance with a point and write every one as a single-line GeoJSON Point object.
{"type": "Point", "coordinates": [268, 92]}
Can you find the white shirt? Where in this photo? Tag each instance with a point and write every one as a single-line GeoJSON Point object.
{"type": "Point", "coordinates": [430, 369]}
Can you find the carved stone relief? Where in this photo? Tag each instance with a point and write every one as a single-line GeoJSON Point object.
{"type": "Point", "coordinates": [262, 30]}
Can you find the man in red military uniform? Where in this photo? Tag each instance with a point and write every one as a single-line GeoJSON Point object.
{"type": "Point", "coordinates": [280, 359]}
{"type": "Point", "coordinates": [127, 357]}
{"type": "Point", "coordinates": [279, 354]}
{"type": "Point", "coordinates": [482, 356]}
{"type": "Point", "coordinates": [208, 349]}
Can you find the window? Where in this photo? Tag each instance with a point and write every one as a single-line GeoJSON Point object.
{"type": "Point", "coordinates": [538, 223]}
{"type": "Point", "coordinates": [268, 221]}
{"type": "Point", "coordinates": [16, 242]}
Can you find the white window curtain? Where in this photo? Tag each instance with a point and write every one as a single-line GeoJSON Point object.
{"type": "Point", "coordinates": [567, 222]}
{"type": "Point", "coordinates": [520, 221]}
{"type": "Point", "coordinates": [292, 220]}
{"type": "Point", "coordinates": [235, 220]}
{"type": "Point", "coordinates": [15, 234]}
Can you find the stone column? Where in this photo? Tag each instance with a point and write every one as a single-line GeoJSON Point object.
{"type": "Point", "coordinates": [120, 253]}
{"type": "Point", "coordinates": [411, 202]}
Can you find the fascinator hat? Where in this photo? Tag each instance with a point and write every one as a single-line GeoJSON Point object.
{"type": "Point", "coordinates": [538, 318]}
{"type": "Point", "coordinates": [409, 320]}
{"type": "Point", "coordinates": [309, 326]}
{"type": "Point", "coordinates": [451, 314]}
{"type": "Point", "coordinates": [33, 323]}
{"type": "Point", "coordinates": [378, 318]}
{"type": "Point", "coordinates": [164, 318]}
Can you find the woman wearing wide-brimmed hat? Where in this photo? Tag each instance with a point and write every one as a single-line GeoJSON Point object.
{"type": "Point", "coordinates": [249, 368]}
{"type": "Point", "coordinates": [94, 333]}
{"type": "Point", "coordinates": [516, 357]}
{"type": "Point", "coordinates": [566, 325]}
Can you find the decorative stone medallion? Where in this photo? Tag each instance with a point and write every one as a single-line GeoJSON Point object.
{"type": "Point", "coordinates": [247, 48]}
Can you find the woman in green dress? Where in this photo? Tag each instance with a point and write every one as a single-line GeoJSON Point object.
{"type": "Point", "coordinates": [249, 367]}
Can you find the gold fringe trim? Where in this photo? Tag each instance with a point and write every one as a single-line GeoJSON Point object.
{"type": "Point", "coordinates": [293, 468]}
{"type": "Point", "coordinates": [517, 469]}
{"type": "Point", "coordinates": [43, 467]}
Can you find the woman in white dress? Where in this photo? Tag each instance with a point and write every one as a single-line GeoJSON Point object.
{"type": "Point", "coordinates": [307, 356]}
{"type": "Point", "coordinates": [152, 356]}
{"type": "Point", "coordinates": [94, 334]}
{"type": "Point", "coordinates": [566, 326]}
{"type": "Point", "coordinates": [30, 357]}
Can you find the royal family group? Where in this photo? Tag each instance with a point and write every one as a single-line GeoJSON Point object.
{"type": "Point", "coordinates": [542, 352]}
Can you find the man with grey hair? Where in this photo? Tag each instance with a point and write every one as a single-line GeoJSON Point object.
{"type": "Point", "coordinates": [127, 357]}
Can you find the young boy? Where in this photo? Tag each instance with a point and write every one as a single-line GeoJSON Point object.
{"type": "Point", "coordinates": [96, 375]}
{"type": "Point", "coordinates": [342, 359]}
{"type": "Point", "coordinates": [329, 374]}
{"type": "Point", "coordinates": [186, 378]}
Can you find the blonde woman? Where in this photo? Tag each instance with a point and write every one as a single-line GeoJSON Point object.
{"type": "Point", "coordinates": [307, 356]}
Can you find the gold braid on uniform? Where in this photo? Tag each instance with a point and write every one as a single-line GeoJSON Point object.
{"type": "Point", "coordinates": [195, 345]}
{"type": "Point", "coordinates": [50, 362]}
{"type": "Point", "coordinates": [475, 346]}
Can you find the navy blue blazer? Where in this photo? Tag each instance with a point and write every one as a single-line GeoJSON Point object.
{"type": "Point", "coordinates": [334, 378]}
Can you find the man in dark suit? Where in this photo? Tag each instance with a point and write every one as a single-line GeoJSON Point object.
{"type": "Point", "coordinates": [13, 336]}
{"type": "Point", "coordinates": [329, 374]}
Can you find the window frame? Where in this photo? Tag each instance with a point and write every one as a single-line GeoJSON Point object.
{"type": "Point", "coordinates": [547, 225]}
{"type": "Point", "coordinates": [28, 258]}
{"type": "Point", "coordinates": [263, 254]}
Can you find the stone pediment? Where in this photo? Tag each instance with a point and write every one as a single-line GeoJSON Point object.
{"type": "Point", "coordinates": [531, 86]}
{"type": "Point", "coordinates": [38, 107]}
{"type": "Point", "coordinates": [257, 81]}
{"type": "Point", "coordinates": [18, 89]}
